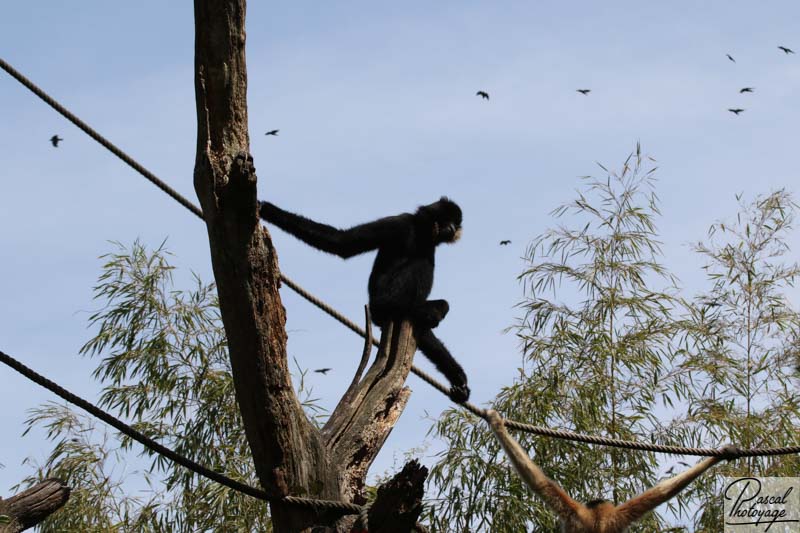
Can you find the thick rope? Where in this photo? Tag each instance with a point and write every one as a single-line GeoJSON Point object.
{"type": "Point", "coordinates": [346, 508]}
{"type": "Point", "coordinates": [362, 522]}
{"type": "Point", "coordinates": [102, 140]}
{"type": "Point", "coordinates": [539, 430]}
{"type": "Point", "coordinates": [477, 411]}
{"type": "Point", "coordinates": [634, 445]}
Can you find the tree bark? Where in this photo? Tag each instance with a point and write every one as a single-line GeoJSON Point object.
{"type": "Point", "coordinates": [288, 452]}
{"type": "Point", "coordinates": [291, 456]}
{"type": "Point", "coordinates": [33, 505]}
{"type": "Point", "coordinates": [399, 501]}
{"type": "Point", "coordinates": [360, 424]}
{"type": "Point", "coordinates": [397, 505]}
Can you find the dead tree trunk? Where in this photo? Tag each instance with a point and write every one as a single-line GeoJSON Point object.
{"type": "Point", "coordinates": [291, 456]}
{"type": "Point", "coordinates": [399, 502]}
{"type": "Point", "coordinates": [33, 505]}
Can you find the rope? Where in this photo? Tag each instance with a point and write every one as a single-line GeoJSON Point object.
{"type": "Point", "coordinates": [362, 522]}
{"type": "Point", "coordinates": [102, 140]}
{"type": "Point", "coordinates": [477, 411]}
{"type": "Point", "coordinates": [346, 508]}
{"type": "Point", "coordinates": [649, 447]}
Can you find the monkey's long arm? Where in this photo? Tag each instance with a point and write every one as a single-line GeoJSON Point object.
{"type": "Point", "coordinates": [550, 491]}
{"type": "Point", "coordinates": [645, 502]}
{"type": "Point", "coordinates": [344, 243]}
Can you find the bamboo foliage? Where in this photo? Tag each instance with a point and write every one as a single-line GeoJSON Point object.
{"type": "Point", "coordinates": [612, 346]}
{"type": "Point", "coordinates": [596, 331]}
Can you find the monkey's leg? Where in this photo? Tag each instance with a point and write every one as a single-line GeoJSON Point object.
{"type": "Point", "coordinates": [445, 363]}
{"type": "Point", "coordinates": [430, 313]}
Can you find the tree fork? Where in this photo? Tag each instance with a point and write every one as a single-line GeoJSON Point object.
{"type": "Point", "coordinates": [291, 456]}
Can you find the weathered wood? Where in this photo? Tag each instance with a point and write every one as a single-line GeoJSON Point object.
{"type": "Point", "coordinates": [291, 456]}
{"type": "Point", "coordinates": [288, 452]}
{"type": "Point", "coordinates": [352, 389]}
{"type": "Point", "coordinates": [398, 504]}
{"type": "Point", "coordinates": [33, 505]}
{"type": "Point", "coordinates": [361, 422]}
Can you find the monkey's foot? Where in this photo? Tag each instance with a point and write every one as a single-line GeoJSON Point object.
{"type": "Point", "coordinates": [432, 312]}
{"type": "Point", "coordinates": [459, 393]}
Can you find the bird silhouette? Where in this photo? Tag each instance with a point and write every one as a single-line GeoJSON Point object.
{"type": "Point", "coordinates": [746, 90]}
{"type": "Point", "coordinates": [272, 132]}
{"type": "Point", "coordinates": [736, 111]}
{"type": "Point", "coordinates": [323, 371]}
{"type": "Point", "coordinates": [55, 139]}
{"type": "Point", "coordinates": [583, 91]}
{"type": "Point", "coordinates": [731, 58]}
{"type": "Point", "coordinates": [503, 243]}
{"type": "Point", "coordinates": [786, 50]}
{"type": "Point", "coordinates": [482, 94]}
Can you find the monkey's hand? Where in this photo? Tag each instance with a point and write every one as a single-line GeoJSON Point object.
{"type": "Point", "coordinates": [459, 393]}
{"type": "Point", "coordinates": [730, 452]}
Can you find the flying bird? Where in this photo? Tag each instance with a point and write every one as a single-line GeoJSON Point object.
{"type": "Point", "coordinates": [746, 90]}
{"type": "Point", "coordinates": [731, 58]}
{"type": "Point", "coordinates": [55, 139]}
{"type": "Point", "coordinates": [736, 111]}
{"type": "Point", "coordinates": [272, 132]}
{"type": "Point", "coordinates": [503, 243]}
{"type": "Point", "coordinates": [323, 371]}
{"type": "Point", "coordinates": [482, 94]}
{"type": "Point", "coordinates": [786, 50]}
{"type": "Point", "coordinates": [583, 91]}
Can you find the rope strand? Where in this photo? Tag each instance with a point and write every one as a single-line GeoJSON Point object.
{"type": "Point", "coordinates": [141, 438]}
{"type": "Point", "coordinates": [477, 411]}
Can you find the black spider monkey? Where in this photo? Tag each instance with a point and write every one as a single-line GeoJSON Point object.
{"type": "Point", "coordinates": [402, 275]}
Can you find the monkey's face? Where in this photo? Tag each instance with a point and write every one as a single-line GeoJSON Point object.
{"type": "Point", "coordinates": [449, 232]}
{"type": "Point", "coordinates": [447, 220]}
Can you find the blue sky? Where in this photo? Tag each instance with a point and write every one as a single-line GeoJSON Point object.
{"type": "Point", "coordinates": [377, 113]}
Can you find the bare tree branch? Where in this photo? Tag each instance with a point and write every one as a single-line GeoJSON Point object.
{"type": "Point", "coordinates": [287, 450]}
{"type": "Point", "coordinates": [352, 388]}
{"type": "Point", "coordinates": [33, 505]}
{"type": "Point", "coordinates": [290, 455]}
{"type": "Point", "coordinates": [361, 422]}
{"type": "Point", "coordinates": [397, 505]}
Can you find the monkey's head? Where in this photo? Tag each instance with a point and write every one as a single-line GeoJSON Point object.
{"type": "Point", "coordinates": [599, 502]}
{"type": "Point", "coordinates": [445, 219]}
